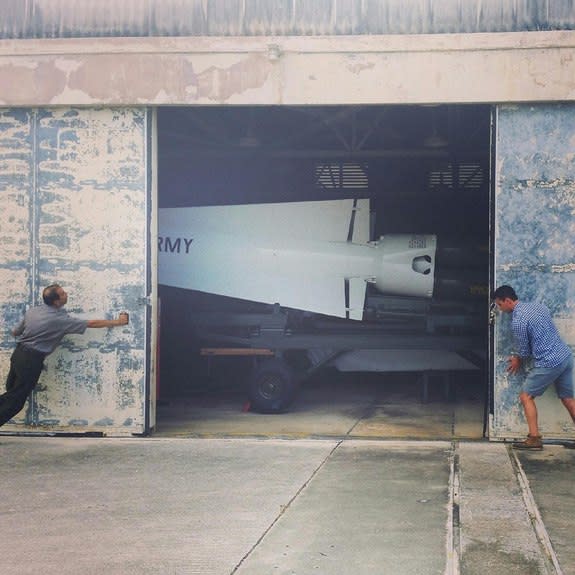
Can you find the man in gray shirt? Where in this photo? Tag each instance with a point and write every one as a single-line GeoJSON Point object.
{"type": "Point", "coordinates": [39, 333]}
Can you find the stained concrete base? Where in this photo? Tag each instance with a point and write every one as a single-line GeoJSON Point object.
{"type": "Point", "coordinates": [252, 506]}
{"type": "Point", "coordinates": [371, 406]}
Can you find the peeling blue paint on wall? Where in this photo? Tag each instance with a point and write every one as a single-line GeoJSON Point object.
{"type": "Point", "coordinates": [16, 185]}
{"type": "Point", "coordinates": [74, 199]}
{"type": "Point", "coordinates": [534, 232]}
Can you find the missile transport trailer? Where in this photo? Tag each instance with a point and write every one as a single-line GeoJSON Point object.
{"type": "Point", "coordinates": [287, 346]}
{"type": "Point", "coordinates": [300, 286]}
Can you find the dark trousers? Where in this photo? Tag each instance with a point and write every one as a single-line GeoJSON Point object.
{"type": "Point", "coordinates": [25, 369]}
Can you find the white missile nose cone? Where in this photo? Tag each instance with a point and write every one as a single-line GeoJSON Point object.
{"type": "Point", "coordinates": [421, 265]}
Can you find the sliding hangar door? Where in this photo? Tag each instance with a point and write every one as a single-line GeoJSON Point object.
{"type": "Point", "coordinates": [533, 243]}
{"type": "Point", "coordinates": [75, 201]}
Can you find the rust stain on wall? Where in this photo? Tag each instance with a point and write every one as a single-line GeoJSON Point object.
{"type": "Point", "coordinates": [102, 79]}
{"type": "Point", "coordinates": [149, 78]}
{"type": "Point", "coordinates": [23, 81]}
{"type": "Point", "coordinates": [221, 83]}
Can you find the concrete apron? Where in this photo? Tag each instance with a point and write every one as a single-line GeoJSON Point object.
{"type": "Point", "coordinates": [335, 407]}
{"type": "Point", "coordinates": [248, 506]}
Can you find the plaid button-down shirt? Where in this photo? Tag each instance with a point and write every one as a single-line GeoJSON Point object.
{"type": "Point", "coordinates": [536, 335]}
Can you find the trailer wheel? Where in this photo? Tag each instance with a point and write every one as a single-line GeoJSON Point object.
{"type": "Point", "coordinates": [272, 387]}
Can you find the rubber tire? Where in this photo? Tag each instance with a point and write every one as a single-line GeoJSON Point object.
{"type": "Point", "coordinates": [272, 387]}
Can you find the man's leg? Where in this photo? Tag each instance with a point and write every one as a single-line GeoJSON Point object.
{"type": "Point", "coordinates": [536, 381]}
{"type": "Point", "coordinates": [12, 402]}
{"type": "Point", "coordinates": [25, 370]}
{"type": "Point", "coordinates": [566, 392]}
{"type": "Point", "coordinates": [530, 410]}
{"type": "Point", "coordinates": [569, 403]}
{"type": "Point", "coordinates": [11, 379]}
{"type": "Point", "coordinates": [533, 440]}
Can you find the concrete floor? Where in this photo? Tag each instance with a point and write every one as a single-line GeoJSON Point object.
{"type": "Point", "coordinates": [291, 507]}
{"type": "Point", "coordinates": [336, 405]}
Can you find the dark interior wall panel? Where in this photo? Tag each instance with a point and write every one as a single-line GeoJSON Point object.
{"type": "Point", "coordinates": [81, 206]}
{"type": "Point", "coordinates": [534, 225]}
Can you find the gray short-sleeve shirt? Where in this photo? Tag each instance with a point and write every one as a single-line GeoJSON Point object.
{"type": "Point", "coordinates": [44, 326]}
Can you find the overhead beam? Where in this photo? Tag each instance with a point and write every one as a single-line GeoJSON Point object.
{"type": "Point", "coordinates": [266, 152]}
{"type": "Point", "coordinates": [330, 70]}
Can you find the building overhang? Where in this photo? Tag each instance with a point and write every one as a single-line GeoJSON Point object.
{"type": "Point", "coordinates": [293, 70]}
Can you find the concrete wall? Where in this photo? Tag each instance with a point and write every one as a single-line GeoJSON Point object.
{"type": "Point", "coordinates": [451, 68]}
{"type": "Point", "coordinates": [534, 238]}
{"type": "Point", "coordinates": [74, 202]}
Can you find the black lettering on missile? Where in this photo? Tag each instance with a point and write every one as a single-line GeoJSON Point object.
{"type": "Point", "coordinates": [174, 245]}
{"type": "Point", "coordinates": [417, 242]}
{"type": "Point", "coordinates": [188, 242]}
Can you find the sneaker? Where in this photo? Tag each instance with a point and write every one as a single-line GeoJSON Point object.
{"type": "Point", "coordinates": [532, 442]}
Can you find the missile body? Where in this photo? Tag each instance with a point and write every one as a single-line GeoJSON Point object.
{"type": "Point", "coordinates": [312, 256]}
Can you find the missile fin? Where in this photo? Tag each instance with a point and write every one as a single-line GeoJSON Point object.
{"type": "Point", "coordinates": [356, 287]}
{"type": "Point", "coordinates": [326, 220]}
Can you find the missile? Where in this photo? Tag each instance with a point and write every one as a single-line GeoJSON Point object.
{"type": "Point", "coordinates": [313, 256]}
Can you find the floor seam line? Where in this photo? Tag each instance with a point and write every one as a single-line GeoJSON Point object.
{"type": "Point", "coordinates": [284, 508]}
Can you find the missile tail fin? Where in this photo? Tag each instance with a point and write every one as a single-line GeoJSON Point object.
{"type": "Point", "coordinates": [325, 220]}
{"type": "Point", "coordinates": [354, 298]}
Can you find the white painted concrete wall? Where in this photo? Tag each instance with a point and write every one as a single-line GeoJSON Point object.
{"type": "Point", "coordinates": [446, 68]}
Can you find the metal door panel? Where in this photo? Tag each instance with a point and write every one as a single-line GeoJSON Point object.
{"type": "Point", "coordinates": [534, 231]}
{"type": "Point", "coordinates": [89, 225]}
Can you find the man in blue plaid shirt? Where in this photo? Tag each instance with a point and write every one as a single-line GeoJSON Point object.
{"type": "Point", "coordinates": [536, 336]}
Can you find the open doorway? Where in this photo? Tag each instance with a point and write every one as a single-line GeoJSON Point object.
{"type": "Point", "coordinates": [424, 170]}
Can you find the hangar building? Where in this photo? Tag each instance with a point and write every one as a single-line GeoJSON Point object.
{"type": "Point", "coordinates": [453, 117]}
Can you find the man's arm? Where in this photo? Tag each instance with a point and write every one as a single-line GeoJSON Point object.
{"type": "Point", "coordinates": [520, 330]}
{"type": "Point", "coordinates": [19, 329]}
{"type": "Point", "coordinates": [122, 320]}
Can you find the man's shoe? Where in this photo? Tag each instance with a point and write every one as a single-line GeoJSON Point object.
{"type": "Point", "coordinates": [532, 442]}
{"type": "Point", "coordinates": [569, 445]}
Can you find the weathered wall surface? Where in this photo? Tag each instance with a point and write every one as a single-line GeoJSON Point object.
{"type": "Point", "coordinates": [17, 178]}
{"type": "Point", "coordinates": [393, 69]}
{"type": "Point", "coordinates": [534, 239]}
{"type": "Point", "coordinates": [73, 198]}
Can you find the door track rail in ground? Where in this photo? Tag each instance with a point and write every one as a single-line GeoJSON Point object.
{"type": "Point", "coordinates": [535, 516]}
{"type": "Point", "coordinates": [453, 542]}
{"type": "Point", "coordinates": [489, 519]}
